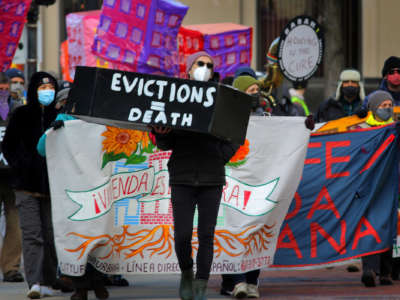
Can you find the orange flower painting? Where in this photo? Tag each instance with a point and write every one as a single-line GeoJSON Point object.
{"type": "Point", "coordinates": [119, 140]}
{"type": "Point", "coordinates": [240, 156]}
{"type": "Point", "coordinates": [126, 144]}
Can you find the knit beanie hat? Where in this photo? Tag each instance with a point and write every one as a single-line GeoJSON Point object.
{"type": "Point", "coordinates": [376, 98]}
{"type": "Point", "coordinates": [11, 73]}
{"type": "Point", "coordinates": [192, 58]}
{"type": "Point", "coordinates": [390, 63]}
{"type": "Point", "coordinates": [242, 83]}
{"type": "Point", "coordinates": [245, 71]}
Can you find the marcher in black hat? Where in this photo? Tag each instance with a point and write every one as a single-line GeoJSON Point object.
{"type": "Point", "coordinates": [26, 125]}
{"type": "Point", "coordinates": [390, 79]}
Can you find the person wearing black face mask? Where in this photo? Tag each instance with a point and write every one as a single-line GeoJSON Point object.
{"type": "Point", "coordinates": [348, 99]}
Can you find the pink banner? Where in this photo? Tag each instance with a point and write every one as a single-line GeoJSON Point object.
{"type": "Point", "coordinates": [229, 44]}
{"type": "Point", "coordinates": [12, 20]}
{"type": "Point", "coordinates": [81, 29]}
{"type": "Point", "coordinates": [140, 34]}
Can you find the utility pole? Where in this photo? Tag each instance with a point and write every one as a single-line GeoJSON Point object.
{"type": "Point", "coordinates": [32, 18]}
{"type": "Point", "coordinates": [31, 26]}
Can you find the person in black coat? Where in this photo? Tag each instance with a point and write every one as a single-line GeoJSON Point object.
{"type": "Point", "coordinates": [348, 99]}
{"type": "Point", "coordinates": [196, 176]}
{"type": "Point", "coordinates": [24, 129]}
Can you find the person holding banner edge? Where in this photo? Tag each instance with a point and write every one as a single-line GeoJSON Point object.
{"type": "Point", "coordinates": [380, 103]}
{"type": "Point", "coordinates": [244, 284]}
{"type": "Point", "coordinates": [196, 176]}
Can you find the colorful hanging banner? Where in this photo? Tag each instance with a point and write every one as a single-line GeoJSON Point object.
{"type": "Point", "coordinates": [12, 20]}
{"type": "Point", "coordinates": [346, 204]}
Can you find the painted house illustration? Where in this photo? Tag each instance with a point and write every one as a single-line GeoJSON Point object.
{"type": "Point", "coordinates": [133, 212]}
{"type": "Point", "coordinates": [159, 212]}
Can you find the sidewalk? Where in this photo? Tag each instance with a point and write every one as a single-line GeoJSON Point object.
{"type": "Point", "coordinates": [324, 284]}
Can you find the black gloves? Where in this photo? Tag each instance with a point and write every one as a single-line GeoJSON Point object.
{"type": "Point", "coordinates": [361, 112]}
{"type": "Point", "coordinates": [57, 124]}
{"type": "Point", "coordinates": [309, 122]}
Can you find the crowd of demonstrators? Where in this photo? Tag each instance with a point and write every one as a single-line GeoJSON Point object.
{"type": "Point", "coordinates": [196, 176]}
{"type": "Point", "coordinates": [10, 258]}
{"type": "Point", "coordinates": [196, 169]}
{"type": "Point", "coordinates": [348, 99]}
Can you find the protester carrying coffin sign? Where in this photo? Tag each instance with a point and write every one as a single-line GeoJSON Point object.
{"type": "Point", "coordinates": [25, 127]}
{"type": "Point", "coordinates": [197, 175]}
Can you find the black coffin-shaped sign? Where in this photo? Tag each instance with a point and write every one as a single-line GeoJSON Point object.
{"type": "Point", "coordinates": [135, 101]}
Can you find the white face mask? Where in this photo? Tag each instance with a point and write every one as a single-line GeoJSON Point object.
{"type": "Point", "coordinates": [202, 74]}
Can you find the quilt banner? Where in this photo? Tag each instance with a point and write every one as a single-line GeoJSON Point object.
{"type": "Point", "coordinates": [12, 21]}
{"type": "Point", "coordinates": [111, 202]}
{"type": "Point", "coordinates": [346, 204]}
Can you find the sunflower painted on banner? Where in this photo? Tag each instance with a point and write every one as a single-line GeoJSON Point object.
{"type": "Point", "coordinates": [129, 144]}
{"type": "Point", "coordinates": [240, 156]}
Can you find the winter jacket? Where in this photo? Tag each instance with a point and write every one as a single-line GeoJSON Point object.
{"type": "Point", "coordinates": [5, 172]}
{"type": "Point", "coordinates": [383, 87]}
{"type": "Point", "coordinates": [197, 159]}
{"type": "Point", "coordinates": [332, 109]}
{"type": "Point", "coordinates": [26, 126]}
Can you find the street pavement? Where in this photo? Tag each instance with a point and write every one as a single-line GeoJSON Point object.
{"type": "Point", "coordinates": [334, 283]}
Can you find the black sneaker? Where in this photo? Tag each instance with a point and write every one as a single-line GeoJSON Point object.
{"type": "Point", "coordinates": [368, 278]}
{"type": "Point", "coordinates": [352, 268]}
{"type": "Point", "coordinates": [225, 292]}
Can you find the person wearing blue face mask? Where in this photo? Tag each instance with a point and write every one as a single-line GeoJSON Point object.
{"type": "Point", "coordinates": [25, 127]}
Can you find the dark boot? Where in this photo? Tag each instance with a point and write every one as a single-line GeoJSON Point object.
{"type": "Point", "coordinates": [79, 294]}
{"type": "Point", "coordinates": [185, 286]}
{"type": "Point", "coordinates": [368, 278]}
{"type": "Point", "coordinates": [199, 289]}
{"type": "Point", "coordinates": [100, 291]}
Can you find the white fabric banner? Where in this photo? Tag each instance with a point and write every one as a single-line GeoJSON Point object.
{"type": "Point", "coordinates": [111, 201]}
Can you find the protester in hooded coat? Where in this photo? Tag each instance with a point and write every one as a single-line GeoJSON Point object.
{"type": "Point", "coordinates": [92, 279]}
{"type": "Point", "coordinates": [25, 127]}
